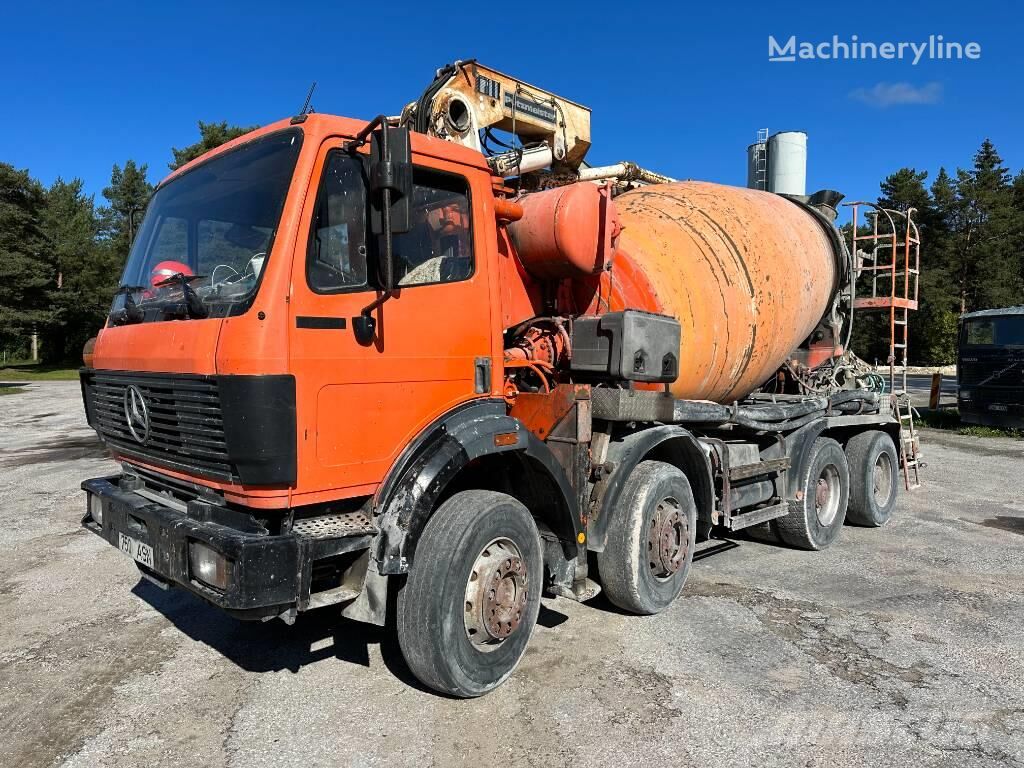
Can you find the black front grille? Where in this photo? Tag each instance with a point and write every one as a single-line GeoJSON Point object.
{"type": "Point", "coordinates": [993, 378]}
{"type": "Point", "coordinates": [186, 424]}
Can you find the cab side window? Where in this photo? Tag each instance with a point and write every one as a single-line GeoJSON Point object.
{"type": "Point", "coordinates": [336, 259]}
{"type": "Point", "coordinates": [439, 246]}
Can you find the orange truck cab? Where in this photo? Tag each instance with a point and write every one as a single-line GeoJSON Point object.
{"type": "Point", "coordinates": [260, 437]}
{"type": "Point", "coordinates": [347, 363]}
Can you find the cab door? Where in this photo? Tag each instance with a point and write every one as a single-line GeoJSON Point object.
{"type": "Point", "coordinates": [359, 404]}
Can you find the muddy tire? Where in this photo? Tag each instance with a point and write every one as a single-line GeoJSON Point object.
{"type": "Point", "coordinates": [466, 613]}
{"type": "Point", "coordinates": [650, 540]}
{"type": "Point", "coordinates": [816, 519]}
{"type": "Point", "coordinates": [874, 478]}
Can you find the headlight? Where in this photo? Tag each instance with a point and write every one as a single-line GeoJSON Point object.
{"type": "Point", "coordinates": [96, 508]}
{"type": "Point", "coordinates": [208, 565]}
{"type": "Point", "coordinates": [965, 394]}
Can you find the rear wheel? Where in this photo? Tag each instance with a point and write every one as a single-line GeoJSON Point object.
{"type": "Point", "coordinates": [650, 539]}
{"type": "Point", "coordinates": [469, 606]}
{"type": "Point", "coordinates": [874, 478]}
{"type": "Point", "coordinates": [815, 520]}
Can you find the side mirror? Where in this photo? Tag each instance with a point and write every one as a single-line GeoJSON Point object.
{"type": "Point", "coordinates": [390, 180]}
{"type": "Point", "coordinates": [389, 183]}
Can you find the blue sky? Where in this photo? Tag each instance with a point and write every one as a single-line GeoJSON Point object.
{"type": "Point", "coordinates": [679, 88]}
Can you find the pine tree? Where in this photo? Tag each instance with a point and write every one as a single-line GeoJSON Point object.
{"type": "Point", "coordinates": [127, 197]}
{"type": "Point", "coordinates": [979, 218]}
{"type": "Point", "coordinates": [211, 136]}
{"type": "Point", "coordinates": [934, 325]}
{"type": "Point", "coordinates": [86, 276]}
{"type": "Point", "coordinates": [905, 189]}
{"type": "Point", "coordinates": [26, 269]}
{"type": "Point", "coordinates": [1016, 235]}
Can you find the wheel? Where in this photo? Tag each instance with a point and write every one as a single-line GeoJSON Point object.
{"type": "Point", "coordinates": [469, 606]}
{"type": "Point", "coordinates": [650, 539]}
{"type": "Point", "coordinates": [874, 478]}
{"type": "Point", "coordinates": [815, 520]}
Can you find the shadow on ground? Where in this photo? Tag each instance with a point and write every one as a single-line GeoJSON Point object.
{"type": "Point", "coordinates": [273, 646]}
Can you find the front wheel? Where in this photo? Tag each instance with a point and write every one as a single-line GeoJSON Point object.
{"type": "Point", "coordinates": [470, 604]}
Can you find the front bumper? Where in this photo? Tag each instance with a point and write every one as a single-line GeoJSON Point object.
{"type": "Point", "coordinates": [991, 413]}
{"type": "Point", "coordinates": [266, 572]}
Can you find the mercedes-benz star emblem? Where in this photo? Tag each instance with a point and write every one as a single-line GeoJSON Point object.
{"type": "Point", "coordinates": [136, 413]}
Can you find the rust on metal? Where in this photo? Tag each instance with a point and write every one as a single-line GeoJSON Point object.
{"type": "Point", "coordinates": [496, 593]}
{"type": "Point", "coordinates": [884, 302]}
{"type": "Point", "coordinates": [539, 412]}
{"type": "Point", "coordinates": [506, 438]}
{"type": "Point", "coordinates": [668, 539]}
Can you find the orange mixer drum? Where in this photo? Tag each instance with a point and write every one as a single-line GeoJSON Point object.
{"type": "Point", "coordinates": [748, 274]}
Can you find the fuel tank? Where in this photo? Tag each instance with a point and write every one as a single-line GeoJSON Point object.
{"type": "Point", "coordinates": [748, 274]}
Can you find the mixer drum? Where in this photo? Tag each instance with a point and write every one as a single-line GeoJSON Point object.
{"type": "Point", "coordinates": [748, 274]}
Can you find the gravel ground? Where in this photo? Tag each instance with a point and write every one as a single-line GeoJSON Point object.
{"type": "Point", "coordinates": [899, 646]}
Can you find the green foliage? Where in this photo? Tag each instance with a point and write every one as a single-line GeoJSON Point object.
{"type": "Point", "coordinates": [61, 256]}
{"type": "Point", "coordinates": [972, 250]}
{"type": "Point", "coordinates": [949, 418]}
{"type": "Point", "coordinates": [26, 265]}
{"type": "Point", "coordinates": [127, 197]}
{"type": "Point", "coordinates": [934, 340]}
{"type": "Point", "coordinates": [211, 136]}
{"type": "Point", "coordinates": [39, 372]}
{"type": "Point", "coordinates": [87, 270]}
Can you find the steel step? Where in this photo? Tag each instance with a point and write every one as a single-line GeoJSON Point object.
{"type": "Point", "coordinates": [334, 526]}
{"type": "Point", "coordinates": [744, 471]}
{"type": "Point", "coordinates": [747, 519]}
{"type": "Point", "coordinates": [331, 597]}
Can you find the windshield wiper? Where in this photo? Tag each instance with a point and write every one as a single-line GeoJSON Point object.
{"type": "Point", "coordinates": [130, 313]}
{"type": "Point", "coordinates": [193, 305]}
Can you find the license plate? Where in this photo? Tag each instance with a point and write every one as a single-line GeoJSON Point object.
{"type": "Point", "coordinates": [136, 550]}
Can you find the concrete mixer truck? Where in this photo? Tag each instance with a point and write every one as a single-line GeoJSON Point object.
{"type": "Point", "coordinates": [428, 368]}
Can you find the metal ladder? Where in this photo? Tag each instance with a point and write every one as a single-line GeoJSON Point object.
{"type": "Point", "coordinates": [910, 453]}
{"type": "Point", "coordinates": [761, 159]}
{"type": "Point", "coordinates": [894, 265]}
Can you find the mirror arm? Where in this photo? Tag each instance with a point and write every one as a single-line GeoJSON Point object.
{"type": "Point", "coordinates": [364, 135]}
{"type": "Point", "coordinates": [364, 325]}
{"type": "Point", "coordinates": [386, 216]}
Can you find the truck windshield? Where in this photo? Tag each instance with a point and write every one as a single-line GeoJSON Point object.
{"type": "Point", "coordinates": [207, 234]}
{"type": "Point", "coordinates": [1006, 331]}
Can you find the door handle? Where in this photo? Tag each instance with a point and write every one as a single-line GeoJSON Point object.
{"type": "Point", "coordinates": [321, 323]}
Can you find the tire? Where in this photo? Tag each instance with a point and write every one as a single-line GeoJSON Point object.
{"type": "Point", "coordinates": [656, 506]}
{"type": "Point", "coordinates": [874, 478]}
{"type": "Point", "coordinates": [815, 520]}
{"type": "Point", "coordinates": [474, 541]}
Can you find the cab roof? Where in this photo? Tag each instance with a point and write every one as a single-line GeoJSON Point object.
{"type": "Point", "coordinates": [317, 127]}
{"type": "Point", "coordinates": [1017, 310]}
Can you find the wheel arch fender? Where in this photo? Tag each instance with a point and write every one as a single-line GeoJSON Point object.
{"type": "Point", "coordinates": [449, 455]}
{"type": "Point", "coordinates": [799, 445]}
{"type": "Point", "coordinates": [670, 443]}
{"type": "Point", "coordinates": [800, 442]}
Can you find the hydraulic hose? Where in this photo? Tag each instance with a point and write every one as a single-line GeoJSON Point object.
{"type": "Point", "coordinates": [774, 416]}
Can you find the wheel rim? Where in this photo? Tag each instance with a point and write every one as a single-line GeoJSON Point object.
{"type": "Point", "coordinates": [826, 495]}
{"type": "Point", "coordinates": [496, 593]}
{"type": "Point", "coordinates": [882, 479]}
{"type": "Point", "coordinates": [668, 539]}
